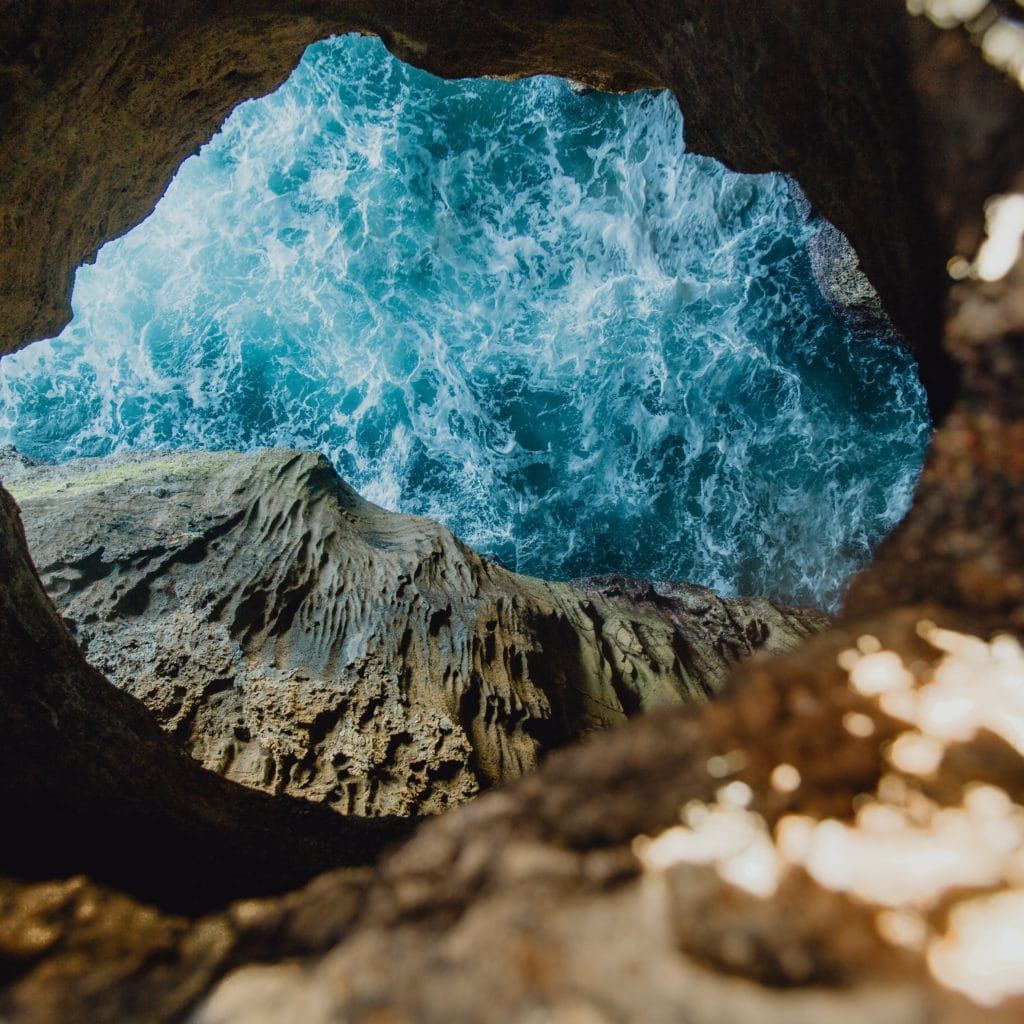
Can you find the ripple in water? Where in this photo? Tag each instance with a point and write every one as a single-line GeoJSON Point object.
{"type": "Point", "coordinates": [518, 309]}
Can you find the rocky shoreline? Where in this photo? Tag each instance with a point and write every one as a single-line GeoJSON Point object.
{"type": "Point", "coordinates": [298, 639]}
{"type": "Point", "coordinates": [837, 836]}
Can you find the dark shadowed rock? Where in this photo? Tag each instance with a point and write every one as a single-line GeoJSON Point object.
{"type": "Point", "coordinates": [780, 857]}
{"type": "Point", "coordinates": [299, 639]}
{"type": "Point", "coordinates": [774, 857]}
{"type": "Point", "coordinates": [88, 782]}
{"type": "Point", "coordinates": [539, 902]}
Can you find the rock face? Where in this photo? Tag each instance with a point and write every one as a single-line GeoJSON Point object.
{"type": "Point", "coordinates": [838, 274]}
{"type": "Point", "coordinates": [88, 782]}
{"type": "Point", "coordinates": [298, 639]}
{"type": "Point", "coordinates": [676, 869]}
{"type": "Point", "coordinates": [785, 856]}
{"type": "Point", "coordinates": [540, 901]}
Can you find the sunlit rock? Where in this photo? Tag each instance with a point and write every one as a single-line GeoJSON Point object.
{"type": "Point", "coordinates": [299, 639]}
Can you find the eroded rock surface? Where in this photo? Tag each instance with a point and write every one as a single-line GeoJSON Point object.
{"type": "Point", "coordinates": [535, 903]}
{"type": "Point", "coordinates": [676, 869]}
{"type": "Point", "coordinates": [299, 639]}
{"type": "Point", "coordinates": [88, 779]}
{"type": "Point", "coordinates": [785, 856]}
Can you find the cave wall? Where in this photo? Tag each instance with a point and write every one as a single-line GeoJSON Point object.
{"type": "Point", "coordinates": [298, 639]}
{"type": "Point", "coordinates": [101, 103]}
{"type": "Point", "coordinates": [898, 131]}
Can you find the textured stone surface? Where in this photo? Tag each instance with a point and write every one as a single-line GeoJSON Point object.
{"type": "Point", "coordinates": [88, 782]}
{"type": "Point", "coordinates": [75, 951]}
{"type": "Point", "coordinates": [533, 903]}
{"type": "Point", "coordinates": [298, 639]}
{"type": "Point", "coordinates": [838, 273]}
{"type": "Point", "coordinates": [542, 901]}
{"type": "Point", "coordinates": [549, 900]}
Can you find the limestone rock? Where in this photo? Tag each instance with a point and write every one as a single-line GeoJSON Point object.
{"type": "Point", "coordinates": [533, 903]}
{"type": "Point", "coordinates": [14, 465]}
{"type": "Point", "coordinates": [671, 871]}
{"type": "Point", "coordinates": [299, 639]}
{"type": "Point", "coordinates": [88, 782]}
{"type": "Point", "coordinates": [768, 858]}
{"type": "Point", "coordinates": [838, 274]}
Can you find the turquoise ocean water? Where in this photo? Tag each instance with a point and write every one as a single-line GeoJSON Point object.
{"type": "Point", "coordinates": [519, 309]}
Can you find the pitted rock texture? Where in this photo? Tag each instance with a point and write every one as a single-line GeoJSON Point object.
{"type": "Point", "coordinates": [838, 274]}
{"type": "Point", "coordinates": [534, 903]}
{"type": "Point", "coordinates": [88, 779]}
{"type": "Point", "coordinates": [544, 898]}
{"type": "Point", "coordinates": [548, 900]}
{"type": "Point", "coordinates": [569, 916]}
{"type": "Point", "coordinates": [75, 951]}
{"type": "Point", "coordinates": [299, 639]}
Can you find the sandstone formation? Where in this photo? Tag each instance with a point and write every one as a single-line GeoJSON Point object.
{"type": "Point", "coordinates": [540, 901]}
{"type": "Point", "coordinates": [298, 639]}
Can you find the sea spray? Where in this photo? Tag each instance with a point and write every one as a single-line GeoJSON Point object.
{"type": "Point", "coordinates": [516, 308]}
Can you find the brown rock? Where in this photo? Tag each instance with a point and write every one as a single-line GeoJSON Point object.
{"type": "Point", "coordinates": [534, 902]}
{"type": "Point", "coordinates": [89, 783]}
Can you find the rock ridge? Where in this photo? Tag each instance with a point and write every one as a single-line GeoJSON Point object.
{"type": "Point", "coordinates": [298, 639]}
{"type": "Point", "coordinates": [541, 901]}
{"type": "Point", "coordinates": [88, 782]}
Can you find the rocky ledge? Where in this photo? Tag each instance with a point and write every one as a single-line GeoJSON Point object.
{"type": "Point", "coordinates": [820, 843]}
{"type": "Point", "coordinates": [298, 639]}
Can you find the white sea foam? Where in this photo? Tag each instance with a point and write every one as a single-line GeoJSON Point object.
{"type": "Point", "coordinates": [520, 310]}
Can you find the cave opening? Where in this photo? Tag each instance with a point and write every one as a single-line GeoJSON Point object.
{"type": "Point", "coordinates": [518, 308]}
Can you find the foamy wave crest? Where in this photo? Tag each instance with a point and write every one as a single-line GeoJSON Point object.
{"type": "Point", "coordinates": [516, 308]}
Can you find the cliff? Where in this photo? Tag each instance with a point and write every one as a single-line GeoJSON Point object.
{"type": "Point", "coordinates": [298, 639]}
{"type": "Point", "coordinates": [88, 778]}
